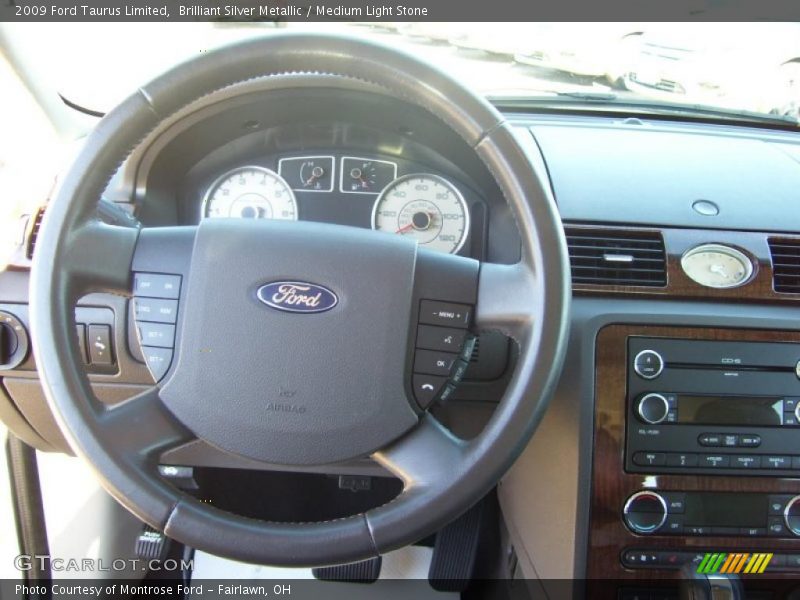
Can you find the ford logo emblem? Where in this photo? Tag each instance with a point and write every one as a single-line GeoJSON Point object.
{"type": "Point", "coordinates": [297, 296]}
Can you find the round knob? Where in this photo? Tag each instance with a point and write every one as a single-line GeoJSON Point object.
{"type": "Point", "coordinates": [791, 515]}
{"type": "Point", "coordinates": [797, 412]}
{"type": "Point", "coordinates": [645, 512]}
{"type": "Point", "coordinates": [13, 341]}
{"type": "Point", "coordinates": [653, 408]}
{"type": "Point", "coordinates": [648, 364]}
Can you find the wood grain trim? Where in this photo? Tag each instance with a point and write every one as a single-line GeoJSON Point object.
{"type": "Point", "coordinates": [677, 242]}
{"type": "Point", "coordinates": [611, 485]}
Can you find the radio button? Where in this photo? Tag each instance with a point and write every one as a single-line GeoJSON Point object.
{"type": "Point", "coordinates": [790, 418]}
{"type": "Point", "coordinates": [730, 441]}
{"type": "Point", "coordinates": [790, 404]}
{"type": "Point", "coordinates": [749, 440]}
{"type": "Point", "coordinates": [716, 461]}
{"type": "Point", "coordinates": [653, 408]}
{"type": "Point", "coordinates": [681, 460]}
{"type": "Point", "coordinates": [650, 459]}
{"type": "Point", "coordinates": [745, 461]}
{"type": "Point", "coordinates": [776, 462]}
{"type": "Point", "coordinates": [648, 364]}
{"type": "Point", "coordinates": [709, 439]}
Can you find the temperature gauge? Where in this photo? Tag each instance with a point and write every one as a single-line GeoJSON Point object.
{"type": "Point", "coordinates": [366, 176]}
{"type": "Point", "coordinates": [308, 173]}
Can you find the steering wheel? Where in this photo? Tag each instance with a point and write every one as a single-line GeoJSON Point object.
{"type": "Point", "coordinates": [348, 368]}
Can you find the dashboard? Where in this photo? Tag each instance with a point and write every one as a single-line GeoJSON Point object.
{"type": "Point", "coordinates": [710, 256]}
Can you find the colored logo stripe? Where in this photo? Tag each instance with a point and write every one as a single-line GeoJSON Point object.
{"type": "Point", "coordinates": [738, 562]}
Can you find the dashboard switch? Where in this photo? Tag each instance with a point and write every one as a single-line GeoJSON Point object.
{"type": "Point", "coordinates": [446, 314]}
{"type": "Point", "coordinates": [159, 310]}
{"type": "Point", "coordinates": [427, 388]}
{"type": "Point", "coordinates": [160, 335]}
{"type": "Point", "coordinates": [158, 361]}
{"type": "Point", "coordinates": [156, 285]}
{"type": "Point", "coordinates": [100, 352]}
{"type": "Point", "coordinates": [434, 363]}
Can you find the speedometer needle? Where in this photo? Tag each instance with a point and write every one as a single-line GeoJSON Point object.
{"type": "Point", "coordinates": [405, 228]}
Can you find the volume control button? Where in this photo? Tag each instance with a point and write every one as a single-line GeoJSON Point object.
{"type": "Point", "coordinates": [652, 408]}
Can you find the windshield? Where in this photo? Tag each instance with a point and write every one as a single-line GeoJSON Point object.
{"type": "Point", "coordinates": [742, 68]}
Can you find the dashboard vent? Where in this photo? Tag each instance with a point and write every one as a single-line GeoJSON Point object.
{"type": "Point", "coordinates": [33, 233]}
{"type": "Point", "coordinates": [785, 265]}
{"type": "Point", "coordinates": [613, 257]}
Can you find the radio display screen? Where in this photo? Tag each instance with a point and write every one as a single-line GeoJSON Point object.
{"type": "Point", "coordinates": [730, 410]}
{"type": "Point", "coordinates": [726, 510]}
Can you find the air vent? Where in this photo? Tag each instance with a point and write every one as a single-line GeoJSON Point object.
{"type": "Point", "coordinates": [33, 233]}
{"type": "Point", "coordinates": [785, 265]}
{"type": "Point", "coordinates": [613, 257]}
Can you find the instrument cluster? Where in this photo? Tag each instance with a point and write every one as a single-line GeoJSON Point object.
{"type": "Point", "coordinates": [396, 198]}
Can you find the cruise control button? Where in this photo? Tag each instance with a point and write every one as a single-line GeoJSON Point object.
{"type": "Point", "coordinates": [159, 310]}
{"type": "Point", "coordinates": [158, 361]}
{"type": "Point", "coordinates": [426, 388]}
{"type": "Point", "coordinates": [100, 345]}
{"type": "Point", "coordinates": [160, 335]}
{"type": "Point", "coordinates": [448, 314]}
{"type": "Point", "coordinates": [447, 339]}
{"type": "Point", "coordinates": [156, 285]}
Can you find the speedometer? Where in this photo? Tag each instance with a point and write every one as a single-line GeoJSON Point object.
{"type": "Point", "coordinates": [427, 208]}
{"type": "Point", "coordinates": [250, 193]}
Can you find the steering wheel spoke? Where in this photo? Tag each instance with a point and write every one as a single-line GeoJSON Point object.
{"type": "Point", "coordinates": [425, 456]}
{"type": "Point", "coordinates": [506, 299]}
{"type": "Point", "coordinates": [142, 428]}
{"type": "Point", "coordinates": [99, 258]}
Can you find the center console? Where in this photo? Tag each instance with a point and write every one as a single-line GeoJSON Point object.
{"type": "Point", "coordinates": [696, 450]}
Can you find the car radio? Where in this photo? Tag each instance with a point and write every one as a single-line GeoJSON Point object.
{"type": "Point", "coordinates": [713, 407]}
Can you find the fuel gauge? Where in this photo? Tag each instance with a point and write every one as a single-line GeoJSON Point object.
{"type": "Point", "coordinates": [365, 175]}
{"type": "Point", "coordinates": [308, 173]}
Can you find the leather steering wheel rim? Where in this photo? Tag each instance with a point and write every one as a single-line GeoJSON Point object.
{"type": "Point", "coordinates": [442, 475]}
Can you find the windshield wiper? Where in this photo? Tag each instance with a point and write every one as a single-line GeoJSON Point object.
{"type": "Point", "coordinates": [639, 106]}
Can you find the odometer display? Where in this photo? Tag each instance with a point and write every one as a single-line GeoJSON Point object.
{"type": "Point", "coordinates": [427, 208]}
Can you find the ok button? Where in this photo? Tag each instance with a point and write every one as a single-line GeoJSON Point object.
{"type": "Point", "coordinates": [434, 363]}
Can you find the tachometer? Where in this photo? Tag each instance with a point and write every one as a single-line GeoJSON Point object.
{"type": "Point", "coordinates": [426, 207]}
{"type": "Point", "coordinates": [250, 193]}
